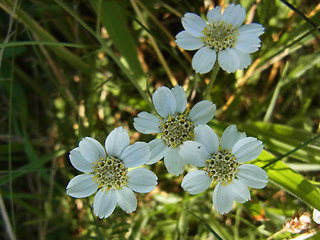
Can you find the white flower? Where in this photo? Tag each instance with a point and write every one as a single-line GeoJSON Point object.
{"type": "Point", "coordinates": [224, 166]}
{"type": "Point", "coordinates": [223, 37]}
{"type": "Point", "coordinates": [109, 172]}
{"type": "Point", "coordinates": [316, 216]}
{"type": "Point", "coordinates": [174, 126]}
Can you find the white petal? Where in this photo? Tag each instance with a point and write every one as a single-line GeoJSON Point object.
{"type": "Point", "coordinates": [79, 162]}
{"type": "Point", "coordinates": [253, 28]}
{"type": "Point", "coordinates": [252, 175]}
{"type": "Point", "coordinates": [187, 41]}
{"type": "Point", "coordinates": [202, 112]}
{"type": "Point", "coordinates": [194, 153]}
{"type": "Point", "coordinates": [104, 203]}
{"type": "Point", "coordinates": [193, 24]}
{"type": "Point", "coordinates": [181, 98]}
{"type": "Point", "coordinates": [214, 15]}
{"type": "Point", "coordinates": [247, 43]}
{"type": "Point", "coordinates": [158, 149]}
{"type": "Point", "coordinates": [245, 59]}
{"type": "Point", "coordinates": [196, 182]}
{"type": "Point", "coordinates": [222, 199]}
{"type": "Point", "coordinates": [91, 149]}
{"type": "Point", "coordinates": [203, 60]}
{"type": "Point", "coordinates": [230, 136]}
{"type": "Point", "coordinates": [136, 154]}
{"type": "Point", "coordinates": [173, 162]}
{"type": "Point", "coordinates": [127, 200]}
{"type": "Point", "coordinates": [117, 141]}
{"type": "Point", "coordinates": [229, 60]}
{"type": "Point", "coordinates": [142, 180]}
{"type": "Point", "coordinates": [82, 186]}
{"type": "Point", "coordinates": [247, 149]}
{"type": "Point", "coordinates": [234, 14]}
{"type": "Point", "coordinates": [146, 123]}
{"type": "Point", "coordinates": [316, 216]}
{"type": "Point", "coordinates": [240, 191]}
{"type": "Point", "coordinates": [164, 101]}
{"type": "Point", "coordinates": [207, 137]}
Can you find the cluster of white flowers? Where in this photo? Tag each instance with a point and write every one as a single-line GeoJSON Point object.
{"type": "Point", "coordinates": [115, 171]}
{"type": "Point", "coordinates": [183, 138]}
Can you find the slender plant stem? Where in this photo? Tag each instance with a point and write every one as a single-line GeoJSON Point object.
{"type": "Point", "coordinates": [297, 11]}
{"type": "Point", "coordinates": [214, 74]}
{"type": "Point", "coordinates": [6, 220]}
{"type": "Point", "coordinates": [275, 95]}
{"type": "Point", "coordinates": [106, 48]}
{"type": "Point", "coordinates": [205, 224]}
{"type": "Point", "coordinates": [154, 44]}
{"type": "Point", "coordinates": [10, 230]}
{"type": "Point", "coordinates": [292, 151]}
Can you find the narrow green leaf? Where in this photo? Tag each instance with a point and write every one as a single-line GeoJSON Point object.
{"type": "Point", "coordinates": [285, 177]}
{"type": "Point", "coordinates": [47, 43]}
{"type": "Point", "coordinates": [121, 36]}
{"type": "Point", "coordinates": [61, 52]}
{"type": "Point", "coordinates": [282, 139]}
{"type": "Point", "coordinates": [32, 165]}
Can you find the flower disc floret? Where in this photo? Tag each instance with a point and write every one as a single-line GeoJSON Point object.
{"type": "Point", "coordinates": [222, 167]}
{"type": "Point", "coordinates": [177, 129]}
{"type": "Point", "coordinates": [110, 173]}
{"type": "Point", "coordinates": [219, 36]}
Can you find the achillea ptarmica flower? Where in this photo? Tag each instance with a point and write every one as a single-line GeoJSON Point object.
{"type": "Point", "coordinates": [108, 170]}
{"type": "Point", "coordinates": [223, 37]}
{"type": "Point", "coordinates": [174, 126]}
{"type": "Point", "coordinates": [224, 166]}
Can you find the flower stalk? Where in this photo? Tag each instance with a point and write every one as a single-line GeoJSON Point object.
{"type": "Point", "coordinates": [213, 77]}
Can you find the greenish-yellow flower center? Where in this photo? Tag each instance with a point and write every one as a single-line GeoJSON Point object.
{"type": "Point", "coordinates": [177, 129]}
{"type": "Point", "coordinates": [222, 167]}
{"type": "Point", "coordinates": [219, 36]}
{"type": "Point", "coordinates": [110, 173]}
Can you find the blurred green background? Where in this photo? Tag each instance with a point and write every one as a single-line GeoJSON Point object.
{"type": "Point", "coordinates": [71, 69]}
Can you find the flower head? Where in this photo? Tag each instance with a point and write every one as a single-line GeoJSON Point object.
{"type": "Point", "coordinates": [223, 37]}
{"type": "Point", "coordinates": [174, 126]}
{"type": "Point", "coordinates": [224, 166]}
{"type": "Point", "coordinates": [108, 170]}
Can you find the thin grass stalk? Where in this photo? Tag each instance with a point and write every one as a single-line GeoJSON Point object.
{"type": "Point", "coordinates": [275, 95]}
{"type": "Point", "coordinates": [155, 45]}
{"type": "Point", "coordinates": [292, 151]}
{"type": "Point", "coordinates": [107, 50]}
{"type": "Point", "coordinates": [5, 217]}
{"type": "Point", "coordinates": [22, 17]}
{"type": "Point", "coordinates": [162, 28]}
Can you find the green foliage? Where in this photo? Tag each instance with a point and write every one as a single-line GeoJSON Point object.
{"type": "Point", "coordinates": [70, 69]}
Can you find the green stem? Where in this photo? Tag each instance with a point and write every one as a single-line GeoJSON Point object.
{"type": "Point", "coordinates": [292, 151]}
{"type": "Point", "coordinates": [107, 49]}
{"type": "Point", "coordinates": [214, 74]}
